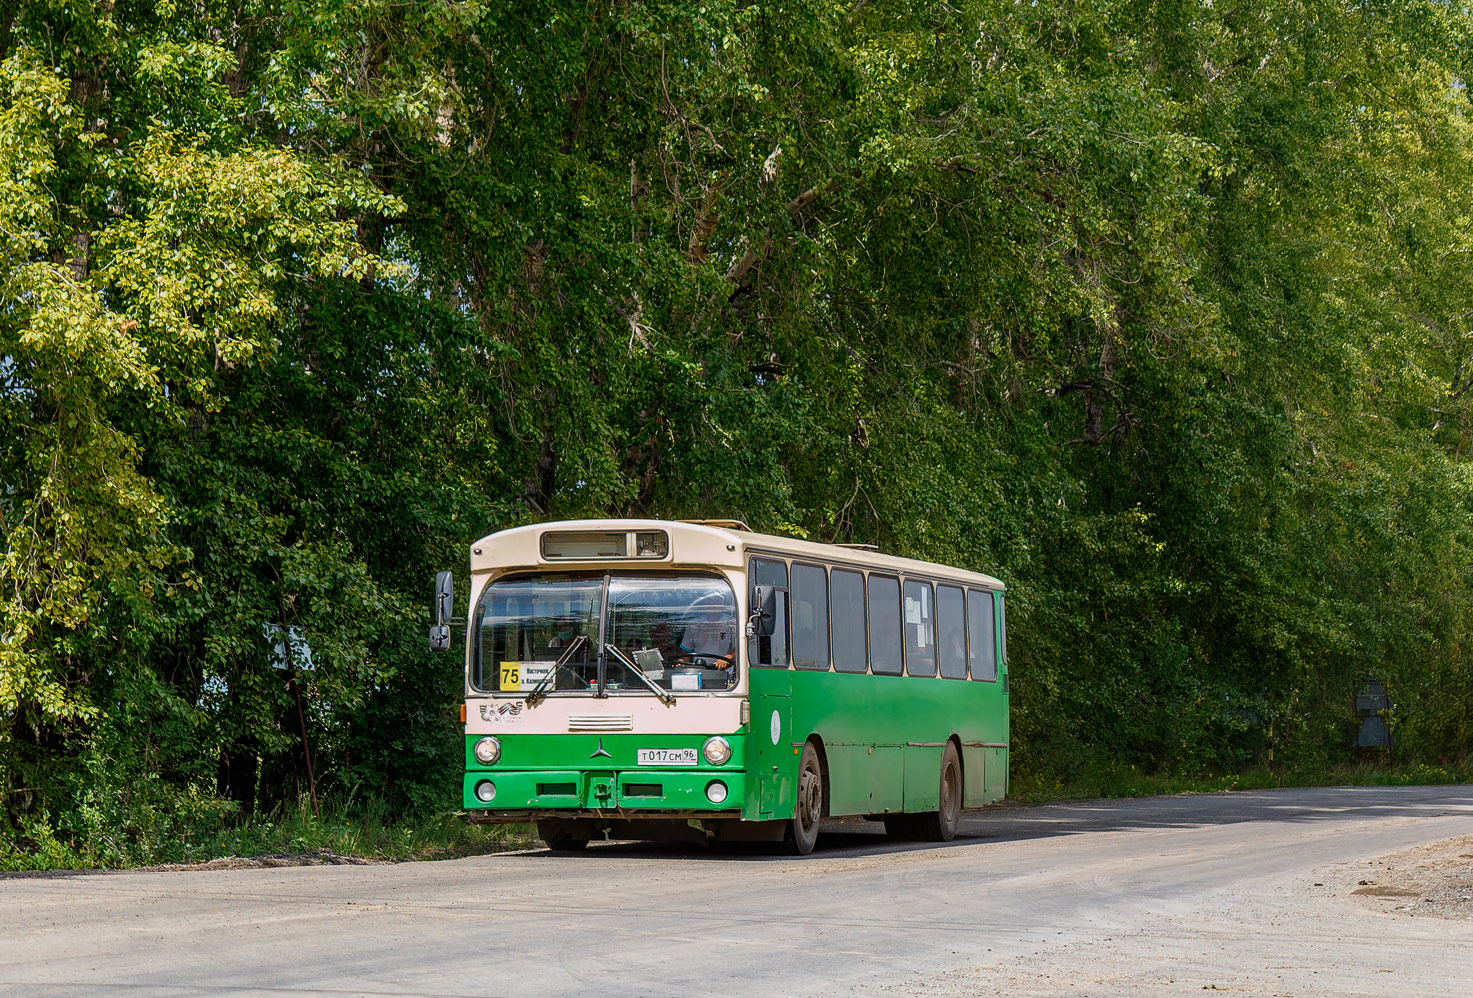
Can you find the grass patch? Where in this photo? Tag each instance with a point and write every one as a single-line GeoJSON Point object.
{"type": "Point", "coordinates": [364, 833]}
{"type": "Point", "coordinates": [360, 830]}
{"type": "Point", "coordinates": [1104, 780]}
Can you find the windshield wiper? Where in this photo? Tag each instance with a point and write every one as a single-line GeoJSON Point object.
{"type": "Point", "coordinates": [659, 691]}
{"type": "Point", "coordinates": [537, 695]}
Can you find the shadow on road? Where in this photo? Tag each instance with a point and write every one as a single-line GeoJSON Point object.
{"type": "Point", "coordinates": [1009, 822]}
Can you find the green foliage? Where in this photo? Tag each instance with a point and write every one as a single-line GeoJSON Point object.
{"type": "Point", "coordinates": [190, 827]}
{"type": "Point", "coordinates": [1156, 310]}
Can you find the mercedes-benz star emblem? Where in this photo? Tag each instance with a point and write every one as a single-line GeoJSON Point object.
{"type": "Point", "coordinates": [600, 751]}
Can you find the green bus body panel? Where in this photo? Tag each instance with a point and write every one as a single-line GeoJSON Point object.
{"type": "Point", "coordinates": [922, 787]}
{"type": "Point", "coordinates": [880, 737]}
{"type": "Point", "coordinates": [564, 772]}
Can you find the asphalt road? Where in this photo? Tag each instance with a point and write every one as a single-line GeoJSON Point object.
{"type": "Point", "coordinates": [1249, 892]}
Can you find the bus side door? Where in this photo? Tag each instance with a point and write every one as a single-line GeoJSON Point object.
{"type": "Point", "coordinates": [770, 691]}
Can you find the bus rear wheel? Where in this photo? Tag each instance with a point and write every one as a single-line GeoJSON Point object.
{"type": "Point", "coordinates": [940, 825]}
{"type": "Point", "coordinates": [808, 811]}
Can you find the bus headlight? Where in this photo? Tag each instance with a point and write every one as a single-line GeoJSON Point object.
{"type": "Point", "coordinates": [717, 751]}
{"type": "Point", "coordinates": [485, 791]}
{"type": "Point", "coordinates": [488, 750]}
{"type": "Point", "coordinates": [716, 791]}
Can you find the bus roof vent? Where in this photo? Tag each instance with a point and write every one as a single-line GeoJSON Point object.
{"type": "Point", "coordinates": [728, 524]}
{"type": "Point", "coordinates": [859, 547]}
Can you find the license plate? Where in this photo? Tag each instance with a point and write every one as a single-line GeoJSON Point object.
{"type": "Point", "coordinates": [666, 756]}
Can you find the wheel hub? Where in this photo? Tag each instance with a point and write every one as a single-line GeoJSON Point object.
{"type": "Point", "coordinates": [810, 798]}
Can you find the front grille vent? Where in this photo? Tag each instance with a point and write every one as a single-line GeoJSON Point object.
{"type": "Point", "coordinates": [557, 790]}
{"type": "Point", "coordinates": [600, 722]}
{"type": "Point", "coordinates": [644, 790]}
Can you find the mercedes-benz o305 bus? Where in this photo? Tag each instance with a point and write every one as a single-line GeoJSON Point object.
{"type": "Point", "coordinates": [656, 679]}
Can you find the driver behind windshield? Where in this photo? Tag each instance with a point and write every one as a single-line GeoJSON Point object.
{"type": "Point", "coordinates": [710, 636]}
{"type": "Point", "coordinates": [561, 636]}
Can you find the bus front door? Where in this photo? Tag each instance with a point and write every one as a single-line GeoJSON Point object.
{"type": "Point", "coordinates": [771, 735]}
{"type": "Point", "coordinates": [770, 691]}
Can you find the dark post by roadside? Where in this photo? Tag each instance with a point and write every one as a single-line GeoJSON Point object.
{"type": "Point", "coordinates": [289, 664]}
{"type": "Point", "coordinates": [306, 755]}
{"type": "Point", "coordinates": [1373, 702]}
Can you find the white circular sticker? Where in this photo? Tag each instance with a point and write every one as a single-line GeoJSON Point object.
{"type": "Point", "coordinates": [777, 727]}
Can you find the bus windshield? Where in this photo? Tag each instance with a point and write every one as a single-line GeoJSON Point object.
{"type": "Point", "coordinates": [679, 630]}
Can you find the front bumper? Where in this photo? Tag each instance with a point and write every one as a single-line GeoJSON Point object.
{"type": "Point", "coordinates": [578, 773]}
{"type": "Point", "coordinates": [606, 790]}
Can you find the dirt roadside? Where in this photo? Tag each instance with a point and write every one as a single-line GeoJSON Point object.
{"type": "Point", "coordinates": [1434, 880]}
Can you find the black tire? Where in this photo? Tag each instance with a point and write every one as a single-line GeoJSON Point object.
{"type": "Point", "coordinates": [561, 840]}
{"type": "Point", "coordinates": [901, 827]}
{"type": "Point", "coordinates": [940, 825]}
{"type": "Point", "coordinates": [808, 808]}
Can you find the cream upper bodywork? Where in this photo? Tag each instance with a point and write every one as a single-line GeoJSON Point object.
{"type": "Point", "coordinates": [693, 545]}
{"type": "Point", "coordinates": [722, 549]}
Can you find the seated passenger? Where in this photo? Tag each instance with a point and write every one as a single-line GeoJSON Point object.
{"type": "Point", "coordinates": [663, 641]}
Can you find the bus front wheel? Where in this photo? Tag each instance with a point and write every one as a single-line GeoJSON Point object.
{"type": "Point", "coordinates": [560, 838]}
{"type": "Point", "coordinates": [808, 811]}
{"type": "Point", "coordinates": [940, 825]}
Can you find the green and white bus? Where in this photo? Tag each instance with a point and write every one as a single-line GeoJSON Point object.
{"type": "Point", "coordinates": [655, 679]}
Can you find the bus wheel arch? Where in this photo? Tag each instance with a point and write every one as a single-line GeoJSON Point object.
{"type": "Point", "coordinates": [961, 768]}
{"type": "Point", "coordinates": [816, 740]}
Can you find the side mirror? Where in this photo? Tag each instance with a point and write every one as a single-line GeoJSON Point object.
{"type": "Point", "coordinates": [444, 597]}
{"type": "Point", "coordinates": [764, 622]}
{"type": "Point", "coordinates": [444, 609]}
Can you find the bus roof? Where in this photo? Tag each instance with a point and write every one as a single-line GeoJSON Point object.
{"type": "Point", "coordinates": [722, 543]}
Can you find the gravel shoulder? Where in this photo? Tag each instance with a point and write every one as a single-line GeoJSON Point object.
{"type": "Point", "coordinates": [1433, 880]}
{"type": "Point", "coordinates": [1392, 924]}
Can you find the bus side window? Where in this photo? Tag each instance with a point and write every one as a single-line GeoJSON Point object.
{"type": "Point", "coordinates": [979, 628]}
{"type": "Point", "coordinates": [810, 618]}
{"type": "Point", "coordinates": [847, 603]}
{"type": "Point", "coordinates": [884, 625]}
{"type": "Point", "coordinates": [951, 630]}
{"type": "Point", "coordinates": [920, 630]}
{"type": "Point", "coordinates": [771, 651]}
